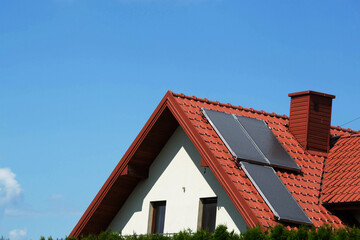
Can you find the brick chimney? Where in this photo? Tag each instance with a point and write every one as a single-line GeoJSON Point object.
{"type": "Point", "coordinates": [310, 117]}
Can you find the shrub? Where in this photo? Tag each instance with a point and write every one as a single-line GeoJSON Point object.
{"type": "Point", "coordinates": [254, 234]}
{"type": "Point", "coordinates": [278, 232]}
{"type": "Point", "coordinates": [299, 234]}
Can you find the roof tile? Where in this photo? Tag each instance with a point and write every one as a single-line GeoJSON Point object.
{"type": "Point", "coordinates": [305, 187]}
{"type": "Point", "coordinates": [341, 178]}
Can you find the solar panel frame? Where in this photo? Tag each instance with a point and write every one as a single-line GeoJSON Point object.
{"type": "Point", "coordinates": [275, 194]}
{"type": "Point", "coordinates": [261, 145]}
{"type": "Point", "coordinates": [267, 143]}
{"type": "Point", "coordinates": [234, 136]}
{"type": "Point", "coordinates": [234, 130]}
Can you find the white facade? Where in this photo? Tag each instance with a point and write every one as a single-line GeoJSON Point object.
{"type": "Point", "coordinates": [176, 177]}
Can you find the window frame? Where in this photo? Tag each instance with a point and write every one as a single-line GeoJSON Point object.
{"type": "Point", "coordinates": [154, 210]}
{"type": "Point", "coordinates": [202, 203]}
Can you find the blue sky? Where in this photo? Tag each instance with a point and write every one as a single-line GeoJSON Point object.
{"type": "Point", "coordinates": [79, 79]}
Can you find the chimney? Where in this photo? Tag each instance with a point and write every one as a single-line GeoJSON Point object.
{"type": "Point", "coordinates": [310, 117]}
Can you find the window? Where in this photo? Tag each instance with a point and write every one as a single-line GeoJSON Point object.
{"type": "Point", "coordinates": [157, 217]}
{"type": "Point", "coordinates": [207, 213]}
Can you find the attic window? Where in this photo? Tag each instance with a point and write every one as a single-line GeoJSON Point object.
{"type": "Point", "coordinates": [207, 214]}
{"type": "Point", "coordinates": [157, 216]}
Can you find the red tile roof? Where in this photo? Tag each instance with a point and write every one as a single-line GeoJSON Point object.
{"type": "Point", "coordinates": [304, 187]}
{"type": "Point", "coordinates": [178, 109]}
{"type": "Point", "coordinates": [341, 183]}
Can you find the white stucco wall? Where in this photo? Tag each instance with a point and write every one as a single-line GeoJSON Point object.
{"type": "Point", "coordinates": [175, 168]}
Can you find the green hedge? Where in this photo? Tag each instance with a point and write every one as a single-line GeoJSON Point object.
{"type": "Point", "coordinates": [221, 233]}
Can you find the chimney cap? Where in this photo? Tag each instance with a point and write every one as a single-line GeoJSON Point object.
{"type": "Point", "coordinates": [309, 92]}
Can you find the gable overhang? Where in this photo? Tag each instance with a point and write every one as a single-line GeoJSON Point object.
{"type": "Point", "coordinates": [135, 164]}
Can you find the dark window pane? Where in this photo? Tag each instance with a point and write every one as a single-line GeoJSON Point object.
{"type": "Point", "coordinates": [158, 217]}
{"type": "Point", "coordinates": [209, 214]}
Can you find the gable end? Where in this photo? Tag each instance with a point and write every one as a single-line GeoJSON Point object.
{"type": "Point", "coordinates": [135, 163]}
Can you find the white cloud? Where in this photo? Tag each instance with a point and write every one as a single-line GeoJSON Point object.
{"type": "Point", "coordinates": [18, 234]}
{"type": "Point", "coordinates": [10, 189]}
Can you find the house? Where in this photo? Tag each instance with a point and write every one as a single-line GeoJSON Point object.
{"type": "Point", "coordinates": [186, 169]}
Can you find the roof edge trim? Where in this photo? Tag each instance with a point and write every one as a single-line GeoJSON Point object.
{"type": "Point", "coordinates": [120, 167]}
{"type": "Point", "coordinates": [214, 166]}
{"type": "Point", "coordinates": [170, 102]}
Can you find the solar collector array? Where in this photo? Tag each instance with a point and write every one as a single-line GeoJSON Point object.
{"type": "Point", "coordinates": [275, 194]}
{"type": "Point", "coordinates": [268, 144]}
{"type": "Point", "coordinates": [229, 130]}
{"type": "Point", "coordinates": [253, 143]}
{"type": "Point", "coordinates": [250, 139]}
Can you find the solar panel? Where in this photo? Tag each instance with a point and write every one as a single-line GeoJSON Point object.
{"type": "Point", "coordinates": [233, 136]}
{"type": "Point", "coordinates": [265, 139]}
{"type": "Point", "coordinates": [275, 194]}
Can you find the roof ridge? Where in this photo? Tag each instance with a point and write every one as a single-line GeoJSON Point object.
{"type": "Point", "coordinates": [356, 132]}
{"type": "Point", "coordinates": [284, 116]}
{"type": "Point", "coordinates": [229, 105]}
